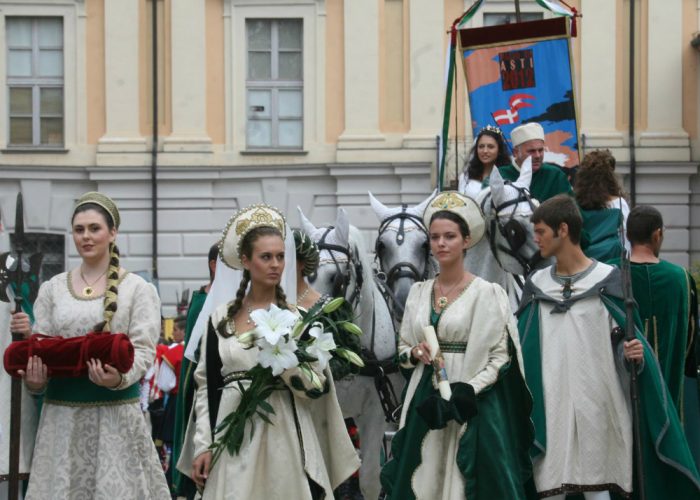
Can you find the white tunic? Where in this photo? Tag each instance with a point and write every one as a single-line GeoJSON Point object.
{"type": "Point", "coordinates": [98, 452]}
{"type": "Point", "coordinates": [588, 422]}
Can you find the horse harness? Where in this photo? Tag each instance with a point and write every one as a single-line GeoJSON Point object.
{"type": "Point", "coordinates": [379, 370]}
{"type": "Point", "coordinates": [511, 230]}
{"type": "Point", "coordinates": [402, 269]}
{"type": "Point", "coordinates": [341, 281]}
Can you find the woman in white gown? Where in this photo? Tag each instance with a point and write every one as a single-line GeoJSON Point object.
{"type": "Point", "coordinates": [92, 440]}
{"type": "Point", "coordinates": [305, 452]}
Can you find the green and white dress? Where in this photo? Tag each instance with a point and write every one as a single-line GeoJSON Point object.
{"type": "Point", "coordinates": [479, 340]}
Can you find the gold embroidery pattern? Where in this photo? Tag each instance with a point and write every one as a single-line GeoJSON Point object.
{"type": "Point", "coordinates": [448, 201]}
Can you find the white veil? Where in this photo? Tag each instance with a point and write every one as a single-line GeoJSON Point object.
{"type": "Point", "coordinates": [226, 282]}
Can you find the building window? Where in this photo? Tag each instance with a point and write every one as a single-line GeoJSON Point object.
{"type": "Point", "coordinates": [35, 81]}
{"type": "Point", "coordinates": [274, 85]}
{"type": "Point", "coordinates": [52, 246]}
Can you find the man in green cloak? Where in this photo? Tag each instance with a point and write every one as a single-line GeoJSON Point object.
{"type": "Point", "coordinates": [571, 320]}
{"type": "Point", "coordinates": [182, 485]}
{"type": "Point", "coordinates": [663, 293]}
{"type": "Point", "coordinates": [547, 180]}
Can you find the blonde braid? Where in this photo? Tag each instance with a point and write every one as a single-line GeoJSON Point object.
{"type": "Point", "coordinates": [281, 298]}
{"type": "Point", "coordinates": [234, 306]}
{"type": "Point", "coordinates": [111, 290]}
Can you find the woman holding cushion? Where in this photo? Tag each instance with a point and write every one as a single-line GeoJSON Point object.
{"type": "Point", "coordinates": [92, 440]}
{"type": "Point", "coordinates": [470, 438]}
{"type": "Point", "coordinates": [302, 451]}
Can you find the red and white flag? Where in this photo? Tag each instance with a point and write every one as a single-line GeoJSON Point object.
{"type": "Point", "coordinates": [510, 116]}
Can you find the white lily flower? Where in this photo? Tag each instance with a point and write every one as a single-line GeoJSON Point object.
{"type": "Point", "coordinates": [322, 345]}
{"type": "Point", "coordinates": [279, 356]}
{"type": "Point", "coordinates": [273, 323]}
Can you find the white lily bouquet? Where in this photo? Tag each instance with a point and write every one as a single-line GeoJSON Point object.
{"type": "Point", "coordinates": [285, 342]}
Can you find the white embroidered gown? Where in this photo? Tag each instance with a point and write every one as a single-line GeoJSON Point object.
{"type": "Point", "coordinates": [98, 452]}
{"type": "Point", "coordinates": [307, 438]}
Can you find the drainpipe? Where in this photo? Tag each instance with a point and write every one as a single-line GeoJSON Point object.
{"type": "Point", "coordinates": [633, 161]}
{"type": "Point", "coordinates": [154, 145]}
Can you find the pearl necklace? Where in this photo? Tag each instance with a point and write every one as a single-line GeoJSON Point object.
{"type": "Point", "coordinates": [303, 295]}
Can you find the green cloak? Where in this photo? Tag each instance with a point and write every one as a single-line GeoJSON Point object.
{"type": "Point", "coordinates": [492, 454]}
{"type": "Point", "coordinates": [662, 293]}
{"type": "Point", "coordinates": [546, 183]}
{"type": "Point", "coordinates": [602, 229]}
{"type": "Point", "coordinates": [669, 469]}
{"type": "Point", "coordinates": [182, 484]}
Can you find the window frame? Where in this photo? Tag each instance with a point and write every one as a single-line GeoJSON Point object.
{"type": "Point", "coordinates": [274, 85]}
{"type": "Point", "coordinates": [36, 83]}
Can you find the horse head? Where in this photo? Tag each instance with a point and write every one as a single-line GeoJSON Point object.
{"type": "Point", "coordinates": [341, 271]}
{"type": "Point", "coordinates": [402, 249]}
{"type": "Point", "coordinates": [507, 207]}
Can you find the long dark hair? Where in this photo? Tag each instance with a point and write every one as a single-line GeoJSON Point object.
{"type": "Point", "coordinates": [247, 250]}
{"type": "Point", "coordinates": [475, 169]}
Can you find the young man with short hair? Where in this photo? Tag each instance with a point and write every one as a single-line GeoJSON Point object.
{"type": "Point", "coordinates": [575, 366]}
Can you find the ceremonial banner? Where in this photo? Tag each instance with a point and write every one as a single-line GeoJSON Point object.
{"type": "Point", "coordinates": [522, 73]}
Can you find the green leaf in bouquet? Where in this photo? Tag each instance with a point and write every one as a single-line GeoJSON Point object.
{"type": "Point", "coordinates": [264, 418]}
{"type": "Point", "coordinates": [304, 357]}
{"type": "Point", "coordinates": [266, 406]}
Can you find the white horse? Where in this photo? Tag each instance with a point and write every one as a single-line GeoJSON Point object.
{"type": "Point", "coordinates": [402, 249]}
{"type": "Point", "coordinates": [508, 252]}
{"type": "Point", "coordinates": [345, 270]}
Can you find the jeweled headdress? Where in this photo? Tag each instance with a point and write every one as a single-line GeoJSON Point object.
{"type": "Point", "coordinates": [462, 206]}
{"type": "Point", "coordinates": [493, 129]}
{"type": "Point", "coordinates": [103, 201]}
{"type": "Point", "coordinates": [240, 224]}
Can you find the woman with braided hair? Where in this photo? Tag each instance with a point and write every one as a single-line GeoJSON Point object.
{"type": "Point", "coordinates": [303, 452]}
{"type": "Point", "coordinates": [92, 440]}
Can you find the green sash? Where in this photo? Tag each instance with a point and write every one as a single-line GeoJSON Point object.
{"type": "Point", "coordinates": [81, 392]}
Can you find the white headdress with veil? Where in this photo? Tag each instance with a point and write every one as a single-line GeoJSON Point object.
{"type": "Point", "coordinates": [229, 268]}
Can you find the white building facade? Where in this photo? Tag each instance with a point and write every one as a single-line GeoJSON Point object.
{"type": "Point", "coordinates": [306, 103]}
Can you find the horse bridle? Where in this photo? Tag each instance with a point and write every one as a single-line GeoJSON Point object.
{"type": "Point", "coordinates": [342, 277]}
{"type": "Point", "coordinates": [401, 269]}
{"type": "Point", "coordinates": [377, 369]}
{"type": "Point", "coordinates": [511, 230]}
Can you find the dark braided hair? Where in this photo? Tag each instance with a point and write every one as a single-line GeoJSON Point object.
{"type": "Point", "coordinates": [111, 288]}
{"type": "Point", "coordinates": [307, 252]}
{"type": "Point", "coordinates": [247, 249]}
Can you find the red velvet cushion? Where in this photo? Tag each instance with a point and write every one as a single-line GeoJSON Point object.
{"type": "Point", "coordinates": [67, 357]}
